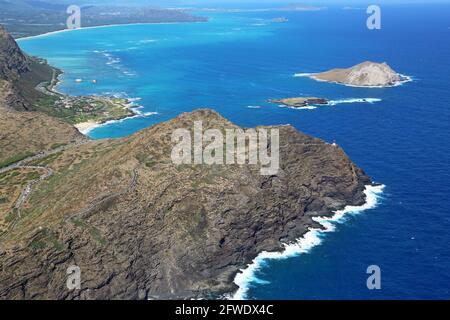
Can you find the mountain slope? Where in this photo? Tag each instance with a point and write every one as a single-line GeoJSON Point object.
{"type": "Point", "coordinates": [28, 133]}
{"type": "Point", "coordinates": [13, 62]}
{"type": "Point", "coordinates": [25, 133]}
{"type": "Point", "coordinates": [19, 75]}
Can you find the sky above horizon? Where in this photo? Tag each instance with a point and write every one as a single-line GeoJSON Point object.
{"type": "Point", "coordinates": [168, 3]}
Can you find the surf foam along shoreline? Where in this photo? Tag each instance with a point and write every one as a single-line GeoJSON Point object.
{"type": "Point", "coordinates": [87, 127]}
{"type": "Point", "coordinates": [246, 277]}
{"type": "Point", "coordinates": [253, 107]}
{"type": "Point", "coordinates": [354, 100]}
{"type": "Point", "coordinates": [332, 103]}
{"type": "Point", "coordinates": [100, 27]}
{"type": "Point", "coordinates": [404, 79]}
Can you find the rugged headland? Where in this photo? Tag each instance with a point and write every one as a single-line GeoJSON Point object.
{"type": "Point", "coordinates": [140, 226]}
{"type": "Point", "coordinates": [137, 225]}
{"type": "Point", "coordinates": [366, 74]}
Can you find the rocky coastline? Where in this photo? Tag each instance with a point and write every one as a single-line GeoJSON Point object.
{"type": "Point", "coordinates": [137, 225]}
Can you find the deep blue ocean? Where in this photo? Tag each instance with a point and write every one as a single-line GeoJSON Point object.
{"type": "Point", "coordinates": [243, 59]}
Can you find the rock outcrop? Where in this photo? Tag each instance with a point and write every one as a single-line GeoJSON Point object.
{"type": "Point", "coordinates": [19, 75]}
{"type": "Point", "coordinates": [366, 74]}
{"type": "Point", "coordinates": [13, 63]}
{"type": "Point", "coordinates": [300, 102]}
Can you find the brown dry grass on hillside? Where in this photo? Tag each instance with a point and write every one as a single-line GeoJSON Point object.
{"type": "Point", "coordinates": [27, 133]}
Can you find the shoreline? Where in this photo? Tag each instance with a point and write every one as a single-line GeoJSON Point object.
{"type": "Point", "coordinates": [86, 127]}
{"type": "Point", "coordinates": [404, 79]}
{"type": "Point", "coordinates": [312, 238]}
{"type": "Point", "coordinates": [50, 33]}
{"type": "Point", "coordinates": [333, 103]}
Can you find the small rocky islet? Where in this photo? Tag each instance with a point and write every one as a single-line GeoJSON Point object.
{"type": "Point", "coordinates": [300, 102]}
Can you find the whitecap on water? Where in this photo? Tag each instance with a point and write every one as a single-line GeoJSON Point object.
{"type": "Point", "coordinates": [300, 75]}
{"type": "Point", "coordinates": [354, 100]}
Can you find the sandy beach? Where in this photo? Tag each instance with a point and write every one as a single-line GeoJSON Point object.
{"type": "Point", "coordinates": [97, 27]}
{"type": "Point", "coordinates": [86, 127]}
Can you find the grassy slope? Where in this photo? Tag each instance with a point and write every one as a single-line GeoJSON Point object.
{"type": "Point", "coordinates": [25, 133]}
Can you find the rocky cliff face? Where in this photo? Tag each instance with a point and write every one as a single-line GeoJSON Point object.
{"type": "Point", "coordinates": [366, 74]}
{"type": "Point", "coordinates": [140, 227]}
{"type": "Point", "coordinates": [13, 63]}
{"type": "Point", "coordinates": [19, 75]}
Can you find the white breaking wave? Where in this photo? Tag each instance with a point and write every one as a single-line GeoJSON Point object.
{"type": "Point", "coordinates": [134, 99]}
{"type": "Point", "coordinates": [403, 79]}
{"type": "Point", "coordinates": [254, 107]}
{"type": "Point", "coordinates": [138, 114]}
{"type": "Point", "coordinates": [143, 114]}
{"type": "Point", "coordinates": [115, 62]}
{"type": "Point", "coordinates": [303, 245]}
{"type": "Point", "coordinates": [112, 61]}
{"type": "Point", "coordinates": [354, 100]}
{"type": "Point", "coordinates": [147, 41]}
{"type": "Point", "coordinates": [118, 95]}
{"type": "Point", "coordinates": [129, 73]}
{"type": "Point", "coordinates": [132, 105]}
{"type": "Point", "coordinates": [332, 103]}
{"type": "Point", "coordinates": [297, 108]}
{"type": "Point", "coordinates": [300, 75]}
